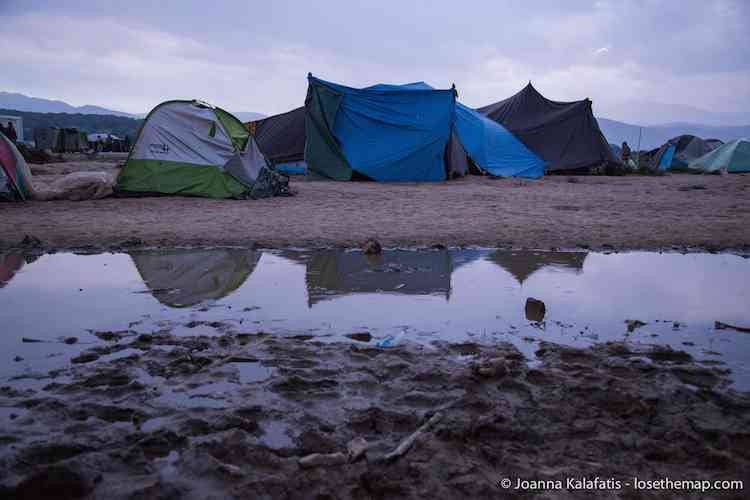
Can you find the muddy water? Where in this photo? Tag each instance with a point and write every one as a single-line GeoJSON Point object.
{"type": "Point", "coordinates": [401, 297]}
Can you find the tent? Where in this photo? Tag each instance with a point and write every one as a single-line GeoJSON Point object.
{"type": "Point", "coordinates": [183, 278]}
{"type": "Point", "coordinates": [564, 134]}
{"type": "Point", "coordinates": [281, 138]}
{"type": "Point", "coordinates": [678, 152]}
{"type": "Point", "coordinates": [409, 132]}
{"type": "Point", "coordinates": [192, 148]}
{"type": "Point", "coordinates": [15, 175]}
{"type": "Point", "coordinates": [732, 157]}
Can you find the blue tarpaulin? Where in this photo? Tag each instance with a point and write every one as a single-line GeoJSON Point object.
{"type": "Point", "coordinates": [392, 133]}
{"type": "Point", "coordinates": [400, 133]}
{"type": "Point", "coordinates": [490, 145]}
{"type": "Point", "coordinates": [493, 148]}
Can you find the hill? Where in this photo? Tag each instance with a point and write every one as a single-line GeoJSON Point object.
{"type": "Point", "coordinates": [121, 126]}
{"type": "Point", "coordinates": [21, 102]}
{"type": "Point", "coordinates": [656, 135]}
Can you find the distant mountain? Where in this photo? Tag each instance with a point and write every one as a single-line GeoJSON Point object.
{"type": "Point", "coordinates": [248, 116]}
{"type": "Point", "coordinates": [20, 102]}
{"type": "Point", "coordinates": [656, 113]}
{"type": "Point", "coordinates": [655, 135]}
{"type": "Point", "coordinates": [120, 126]}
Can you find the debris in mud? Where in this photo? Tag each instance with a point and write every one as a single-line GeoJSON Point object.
{"type": "Point", "coordinates": [360, 336]}
{"type": "Point", "coordinates": [85, 357]}
{"type": "Point", "coordinates": [356, 449]}
{"type": "Point", "coordinates": [693, 187]}
{"type": "Point", "coordinates": [30, 241]}
{"type": "Point", "coordinates": [322, 459]}
{"type": "Point", "coordinates": [724, 326]}
{"type": "Point", "coordinates": [71, 340]}
{"type": "Point", "coordinates": [18, 358]}
{"type": "Point", "coordinates": [30, 340]}
{"type": "Point", "coordinates": [633, 324]}
{"type": "Point", "coordinates": [372, 247]}
{"type": "Point", "coordinates": [535, 309]}
{"type": "Point", "coordinates": [407, 443]}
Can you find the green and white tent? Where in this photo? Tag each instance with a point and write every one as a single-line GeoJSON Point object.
{"type": "Point", "coordinates": [195, 149]}
{"type": "Point", "coordinates": [732, 157]}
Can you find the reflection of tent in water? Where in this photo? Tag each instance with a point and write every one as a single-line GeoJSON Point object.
{"type": "Point", "coordinates": [335, 273]}
{"type": "Point", "coordinates": [9, 266]}
{"type": "Point", "coordinates": [523, 264]}
{"type": "Point", "coordinates": [182, 278]}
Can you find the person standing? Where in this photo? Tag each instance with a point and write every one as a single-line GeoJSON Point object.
{"type": "Point", "coordinates": [10, 132]}
{"type": "Point", "coordinates": [625, 152]}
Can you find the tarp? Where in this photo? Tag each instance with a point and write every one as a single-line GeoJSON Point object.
{"type": "Point", "coordinates": [384, 133]}
{"type": "Point", "coordinates": [191, 148]}
{"type": "Point", "coordinates": [183, 278]}
{"type": "Point", "coordinates": [493, 148]}
{"type": "Point", "coordinates": [564, 134]}
{"type": "Point", "coordinates": [732, 157]}
{"type": "Point", "coordinates": [15, 175]}
{"type": "Point", "coordinates": [281, 138]}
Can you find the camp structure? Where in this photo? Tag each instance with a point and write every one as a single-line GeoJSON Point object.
{"type": "Point", "coordinates": [15, 175]}
{"type": "Point", "coordinates": [678, 152]}
{"type": "Point", "coordinates": [195, 149]}
{"type": "Point", "coordinates": [184, 278]}
{"type": "Point", "coordinates": [281, 138]}
{"type": "Point", "coordinates": [409, 132]}
{"type": "Point", "coordinates": [564, 134]}
{"type": "Point", "coordinates": [60, 140]}
{"type": "Point", "coordinates": [732, 157]}
{"type": "Point", "coordinates": [524, 264]}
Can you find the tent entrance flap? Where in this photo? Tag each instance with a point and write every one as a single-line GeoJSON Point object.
{"type": "Point", "coordinates": [322, 151]}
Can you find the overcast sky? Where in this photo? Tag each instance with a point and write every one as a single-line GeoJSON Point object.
{"type": "Point", "coordinates": [254, 55]}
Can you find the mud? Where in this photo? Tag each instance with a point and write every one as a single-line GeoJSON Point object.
{"type": "Point", "coordinates": [632, 212]}
{"type": "Point", "coordinates": [244, 415]}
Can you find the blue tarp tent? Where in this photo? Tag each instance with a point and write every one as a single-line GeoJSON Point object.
{"type": "Point", "coordinates": [490, 145]}
{"type": "Point", "coordinates": [404, 133]}
{"type": "Point", "coordinates": [493, 148]}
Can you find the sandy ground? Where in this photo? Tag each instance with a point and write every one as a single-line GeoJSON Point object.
{"type": "Point", "coordinates": [173, 418]}
{"type": "Point", "coordinates": [633, 212]}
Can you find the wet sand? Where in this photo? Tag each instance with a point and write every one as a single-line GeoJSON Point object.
{"type": "Point", "coordinates": [200, 417]}
{"type": "Point", "coordinates": [633, 212]}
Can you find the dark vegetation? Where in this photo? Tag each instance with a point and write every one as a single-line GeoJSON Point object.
{"type": "Point", "coordinates": [120, 126]}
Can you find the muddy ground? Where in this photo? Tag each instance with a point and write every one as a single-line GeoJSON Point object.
{"type": "Point", "coordinates": [633, 212]}
{"type": "Point", "coordinates": [238, 416]}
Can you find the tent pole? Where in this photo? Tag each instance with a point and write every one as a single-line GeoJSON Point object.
{"type": "Point", "coordinates": [638, 155]}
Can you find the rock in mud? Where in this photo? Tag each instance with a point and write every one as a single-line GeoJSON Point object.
{"type": "Point", "coordinates": [322, 460]}
{"type": "Point", "coordinates": [356, 449]}
{"type": "Point", "coordinates": [535, 309]}
{"type": "Point", "coordinates": [55, 482]}
{"type": "Point", "coordinates": [360, 336]}
{"type": "Point", "coordinates": [634, 323]}
{"type": "Point", "coordinates": [372, 247]}
{"type": "Point", "coordinates": [86, 357]}
{"type": "Point", "coordinates": [71, 340]}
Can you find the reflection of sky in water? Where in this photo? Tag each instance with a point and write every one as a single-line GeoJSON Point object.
{"type": "Point", "coordinates": [471, 295]}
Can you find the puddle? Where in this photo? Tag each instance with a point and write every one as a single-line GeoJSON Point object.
{"type": "Point", "coordinates": [252, 371]}
{"type": "Point", "coordinates": [479, 295]}
{"type": "Point", "coordinates": [276, 435]}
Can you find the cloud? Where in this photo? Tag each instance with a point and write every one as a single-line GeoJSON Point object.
{"type": "Point", "coordinates": [255, 56]}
